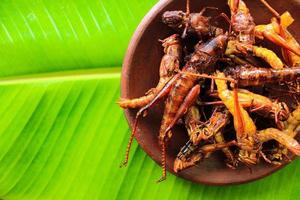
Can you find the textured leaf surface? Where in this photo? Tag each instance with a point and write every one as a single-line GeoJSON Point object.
{"type": "Point", "coordinates": [55, 35]}
{"type": "Point", "coordinates": [61, 134]}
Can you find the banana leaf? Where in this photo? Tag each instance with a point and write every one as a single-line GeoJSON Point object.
{"type": "Point", "coordinates": [62, 135]}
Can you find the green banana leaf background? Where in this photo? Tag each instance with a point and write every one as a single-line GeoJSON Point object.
{"type": "Point", "coordinates": [62, 136]}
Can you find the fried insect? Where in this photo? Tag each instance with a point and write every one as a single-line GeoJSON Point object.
{"type": "Point", "coordinates": [290, 130]}
{"type": "Point", "coordinates": [280, 23]}
{"type": "Point", "coordinates": [243, 25]}
{"type": "Point", "coordinates": [267, 31]}
{"type": "Point", "coordinates": [280, 136]}
{"type": "Point", "coordinates": [255, 76]}
{"type": "Point", "coordinates": [184, 90]}
{"type": "Point", "coordinates": [283, 22]}
{"type": "Point", "coordinates": [264, 106]}
{"type": "Point", "coordinates": [169, 66]}
{"type": "Point", "coordinates": [191, 23]}
{"type": "Point", "coordinates": [259, 104]}
{"type": "Point", "coordinates": [245, 128]}
{"type": "Point", "coordinates": [191, 154]}
{"type": "Point", "coordinates": [235, 47]}
{"type": "Point", "coordinates": [218, 120]}
{"type": "Point", "coordinates": [216, 124]}
{"type": "Point", "coordinates": [211, 129]}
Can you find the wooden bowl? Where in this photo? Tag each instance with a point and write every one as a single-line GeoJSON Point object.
{"type": "Point", "coordinates": [140, 73]}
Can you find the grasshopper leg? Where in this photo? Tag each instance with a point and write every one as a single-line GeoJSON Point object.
{"type": "Point", "coordinates": [166, 89]}
{"type": "Point", "coordinates": [187, 103]}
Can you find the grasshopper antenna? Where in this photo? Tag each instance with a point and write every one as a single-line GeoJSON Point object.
{"type": "Point", "coordinates": [188, 12]}
{"type": "Point", "coordinates": [270, 8]}
{"type": "Point", "coordinates": [125, 161]}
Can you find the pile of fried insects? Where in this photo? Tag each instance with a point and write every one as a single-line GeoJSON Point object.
{"type": "Point", "coordinates": [223, 87]}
